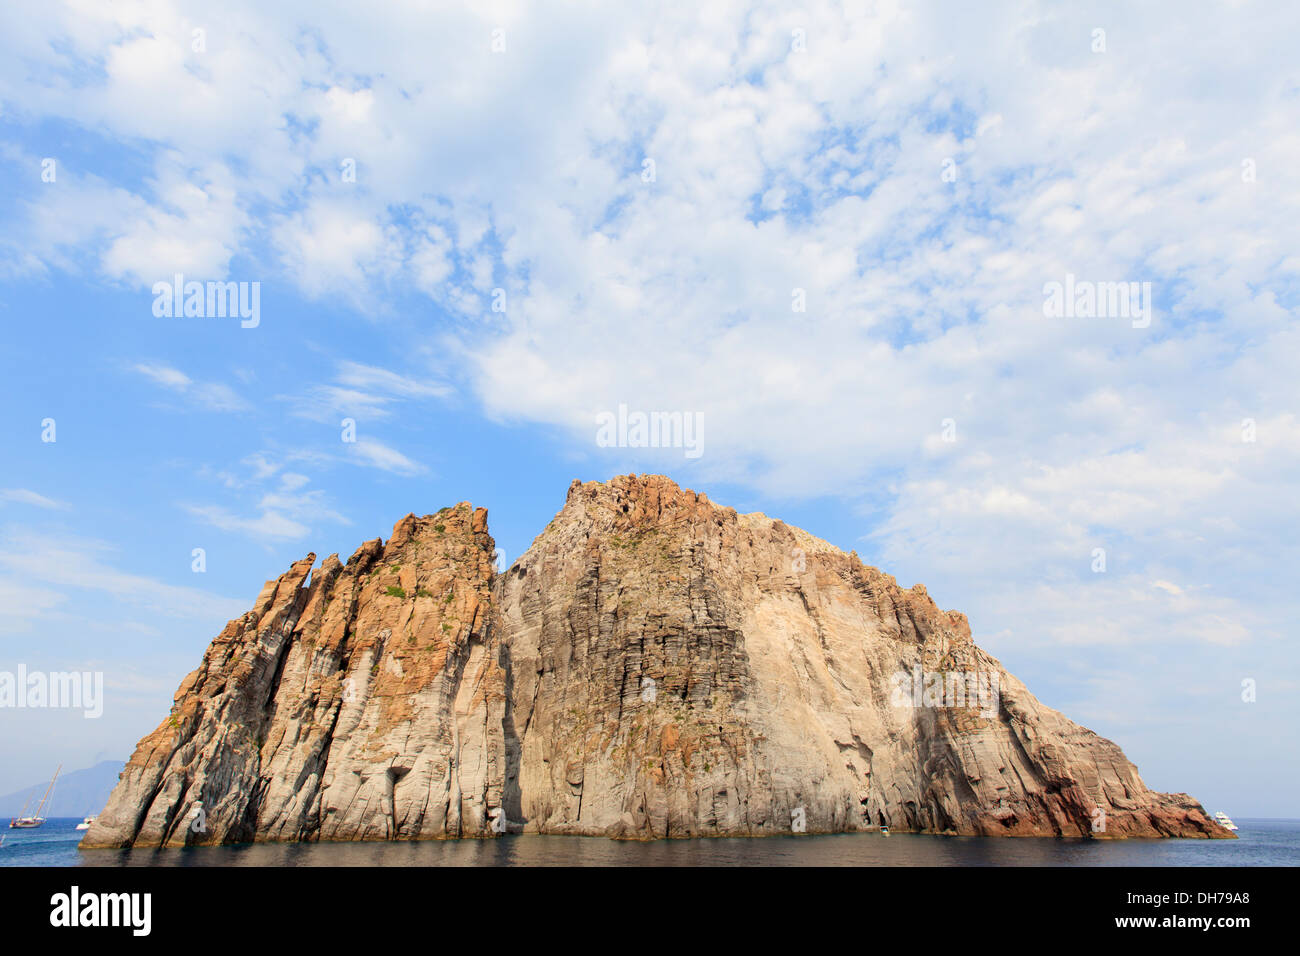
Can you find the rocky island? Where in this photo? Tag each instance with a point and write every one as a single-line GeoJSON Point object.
{"type": "Point", "coordinates": [655, 665]}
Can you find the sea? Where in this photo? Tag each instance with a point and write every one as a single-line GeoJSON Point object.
{"type": "Point", "coordinates": [1260, 842]}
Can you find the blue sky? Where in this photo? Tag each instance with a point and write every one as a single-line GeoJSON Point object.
{"type": "Point", "coordinates": [1164, 157]}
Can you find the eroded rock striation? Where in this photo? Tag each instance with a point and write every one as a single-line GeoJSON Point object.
{"type": "Point", "coordinates": [653, 666]}
{"type": "Point", "coordinates": [365, 704]}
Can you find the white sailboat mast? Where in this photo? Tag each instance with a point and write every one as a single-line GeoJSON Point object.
{"type": "Point", "coordinates": [41, 808]}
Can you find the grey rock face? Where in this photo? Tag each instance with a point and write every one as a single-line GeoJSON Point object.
{"type": "Point", "coordinates": [683, 670]}
{"type": "Point", "coordinates": [366, 705]}
{"type": "Point", "coordinates": [653, 666]}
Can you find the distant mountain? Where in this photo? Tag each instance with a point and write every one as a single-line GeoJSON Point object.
{"type": "Point", "coordinates": [77, 793]}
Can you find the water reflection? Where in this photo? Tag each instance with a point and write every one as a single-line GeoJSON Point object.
{"type": "Point", "coordinates": [1266, 843]}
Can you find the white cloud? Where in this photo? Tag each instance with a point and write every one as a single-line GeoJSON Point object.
{"type": "Point", "coordinates": [285, 513]}
{"type": "Point", "coordinates": [360, 376]}
{"type": "Point", "coordinates": [365, 393]}
{"type": "Point", "coordinates": [215, 396]}
{"type": "Point", "coordinates": [332, 248]}
{"type": "Point", "coordinates": [192, 227]}
{"type": "Point", "coordinates": [269, 525]}
{"type": "Point", "coordinates": [32, 564]}
{"type": "Point", "coordinates": [376, 454]}
{"type": "Point", "coordinates": [292, 481]}
{"type": "Point", "coordinates": [25, 603]}
{"type": "Point", "coordinates": [165, 376]}
{"type": "Point", "coordinates": [26, 497]}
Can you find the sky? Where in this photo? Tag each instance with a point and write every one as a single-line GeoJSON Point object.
{"type": "Point", "coordinates": [827, 233]}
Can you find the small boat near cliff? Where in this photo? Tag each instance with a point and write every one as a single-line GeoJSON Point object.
{"type": "Point", "coordinates": [24, 822]}
{"type": "Point", "coordinates": [1222, 819]}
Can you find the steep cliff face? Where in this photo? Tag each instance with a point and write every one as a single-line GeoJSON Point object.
{"type": "Point", "coordinates": [367, 704]}
{"type": "Point", "coordinates": [653, 666]}
{"type": "Point", "coordinates": [685, 670]}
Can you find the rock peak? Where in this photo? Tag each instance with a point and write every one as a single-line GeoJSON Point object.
{"type": "Point", "coordinates": [654, 665]}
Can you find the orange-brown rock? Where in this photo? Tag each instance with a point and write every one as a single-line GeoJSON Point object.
{"type": "Point", "coordinates": [653, 666]}
{"type": "Point", "coordinates": [367, 704]}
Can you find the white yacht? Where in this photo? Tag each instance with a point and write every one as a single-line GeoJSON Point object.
{"type": "Point", "coordinates": [85, 824]}
{"type": "Point", "coordinates": [1222, 819]}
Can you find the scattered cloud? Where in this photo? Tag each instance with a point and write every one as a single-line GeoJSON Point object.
{"type": "Point", "coordinates": [25, 603]}
{"type": "Point", "coordinates": [375, 454]}
{"type": "Point", "coordinates": [285, 513]}
{"type": "Point", "coordinates": [39, 571]}
{"type": "Point", "coordinates": [162, 375]}
{"type": "Point", "coordinates": [269, 525]}
{"type": "Point", "coordinates": [370, 378]}
{"type": "Point", "coordinates": [365, 393]}
{"type": "Point", "coordinates": [214, 396]}
{"type": "Point", "coordinates": [25, 497]}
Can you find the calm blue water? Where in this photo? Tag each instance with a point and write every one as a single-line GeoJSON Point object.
{"type": "Point", "coordinates": [1259, 843]}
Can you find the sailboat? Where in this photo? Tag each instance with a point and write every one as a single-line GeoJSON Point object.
{"type": "Point", "coordinates": [25, 822]}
